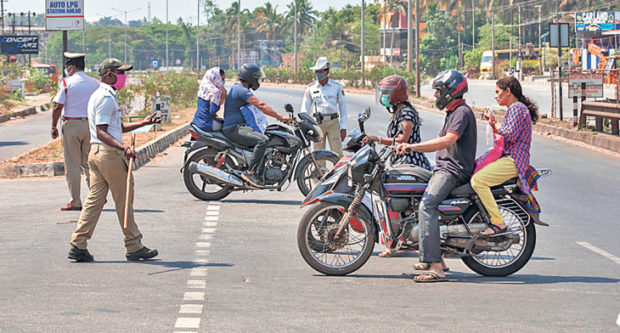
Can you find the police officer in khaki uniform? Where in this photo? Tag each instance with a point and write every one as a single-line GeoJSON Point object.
{"type": "Point", "coordinates": [72, 97]}
{"type": "Point", "coordinates": [324, 99]}
{"type": "Point", "coordinates": [108, 161]}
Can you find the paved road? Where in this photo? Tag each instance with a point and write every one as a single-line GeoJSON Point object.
{"type": "Point", "coordinates": [482, 94]}
{"type": "Point", "coordinates": [236, 265]}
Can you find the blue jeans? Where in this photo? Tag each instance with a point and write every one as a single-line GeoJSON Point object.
{"type": "Point", "coordinates": [439, 187]}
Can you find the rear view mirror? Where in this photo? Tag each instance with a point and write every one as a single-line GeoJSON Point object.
{"type": "Point", "coordinates": [363, 116]}
{"type": "Point", "coordinates": [288, 107]}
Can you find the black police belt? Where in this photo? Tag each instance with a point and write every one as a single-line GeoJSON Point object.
{"type": "Point", "coordinates": [329, 115]}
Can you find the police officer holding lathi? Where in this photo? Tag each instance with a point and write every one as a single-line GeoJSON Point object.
{"type": "Point", "coordinates": [72, 97]}
{"type": "Point", "coordinates": [324, 99]}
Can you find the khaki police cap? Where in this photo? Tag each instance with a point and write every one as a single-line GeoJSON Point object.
{"type": "Point", "coordinates": [70, 55]}
{"type": "Point", "coordinates": [113, 63]}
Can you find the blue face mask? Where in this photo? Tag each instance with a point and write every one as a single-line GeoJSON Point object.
{"type": "Point", "coordinates": [320, 76]}
{"type": "Point", "coordinates": [385, 100]}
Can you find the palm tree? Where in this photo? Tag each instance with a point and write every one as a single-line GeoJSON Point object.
{"type": "Point", "coordinates": [397, 8]}
{"type": "Point", "coordinates": [268, 21]}
{"type": "Point", "coordinates": [306, 16]}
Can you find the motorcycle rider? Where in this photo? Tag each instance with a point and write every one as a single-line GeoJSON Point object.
{"type": "Point", "coordinates": [454, 164]}
{"type": "Point", "coordinates": [235, 127]}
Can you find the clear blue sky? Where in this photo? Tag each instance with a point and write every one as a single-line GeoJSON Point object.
{"type": "Point", "coordinates": [176, 8]}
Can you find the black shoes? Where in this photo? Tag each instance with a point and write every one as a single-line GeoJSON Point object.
{"type": "Point", "coordinates": [144, 253]}
{"type": "Point", "coordinates": [252, 179]}
{"type": "Point", "coordinates": [79, 255]}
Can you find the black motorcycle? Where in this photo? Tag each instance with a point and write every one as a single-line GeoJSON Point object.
{"type": "Point", "coordinates": [213, 164]}
{"type": "Point", "coordinates": [336, 236]}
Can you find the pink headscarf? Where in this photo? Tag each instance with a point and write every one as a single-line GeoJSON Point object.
{"type": "Point", "coordinates": [211, 86]}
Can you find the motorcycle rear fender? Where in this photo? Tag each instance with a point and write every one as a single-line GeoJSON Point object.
{"type": "Point", "coordinates": [318, 154]}
{"type": "Point", "coordinates": [345, 201]}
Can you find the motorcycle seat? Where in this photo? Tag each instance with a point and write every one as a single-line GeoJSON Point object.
{"type": "Point", "coordinates": [466, 190]}
{"type": "Point", "coordinates": [408, 169]}
{"type": "Point", "coordinates": [216, 134]}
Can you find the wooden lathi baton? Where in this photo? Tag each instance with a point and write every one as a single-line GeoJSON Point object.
{"type": "Point", "coordinates": [133, 145]}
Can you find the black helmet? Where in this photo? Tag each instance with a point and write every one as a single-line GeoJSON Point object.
{"type": "Point", "coordinates": [451, 85]}
{"type": "Point", "coordinates": [251, 74]}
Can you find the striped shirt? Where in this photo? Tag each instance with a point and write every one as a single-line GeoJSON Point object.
{"type": "Point", "coordinates": [517, 132]}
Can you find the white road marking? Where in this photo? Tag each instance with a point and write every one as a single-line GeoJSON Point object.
{"type": "Point", "coordinates": [215, 203]}
{"type": "Point", "coordinates": [201, 253]}
{"type": "Point", "coordinates": [600, 251]}
{"type": "Point", "coordinates": [201, 260]}
{"type": "Point", "coordinates": [185, 322]}
{"type": "Point", "coordinates": [211, 218]}
{"type": "Point", "coordinates": [191, 308]}
{"type": "Point", "coordinates": [208, 230]}
{"type": "Point", "coordinates": [203, 244]}
{"type": "Point", "coordinates": [213, 213]}
{"type": "Point", "coordinates": [618, 320]}
{"type": "Point", "coordinates": [206, 237]}
{"type": "Point", "coordinates": [198, 271]}
{"type": "Point", "coordinates": [213, 208]}
{"type": "Point", "coordinates": [210, 224]}
{"type": "Point", "coordinates": [196, 284]}
{"type": "Point", "coordinates": [194, 296]}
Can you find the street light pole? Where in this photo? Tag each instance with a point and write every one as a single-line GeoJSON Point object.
{"type": "Point", "coordinates": [167, 63]}
{"type": "Point", "coordinates": [417, 48]}
{"type": "Point", "coordinates": [239, 36]}
{"type": "Point", "coordinates": [197, 36]}
{"type": "Point", "coordinates": [125, 12]}
{"type": "Point", "coordinates": [295, 41]}
{"type": "Point", "coordinates": [409, 36]}
{"type": "Point", "coordinates": [540, 40]}
{"type": "Point", "coordinates": [362, 42]}
{"type": "Point", "coordinates": [473, 25]}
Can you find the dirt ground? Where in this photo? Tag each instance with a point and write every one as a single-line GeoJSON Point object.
{"type": "Point", "coordinates": [53, 151]}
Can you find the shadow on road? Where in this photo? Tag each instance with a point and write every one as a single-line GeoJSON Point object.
{"type": "Point", "coordinates": [174, 265]}
{"type": "Point", "coordinates": [528, 279]}
{"type": "Point", "coordinates": [12, 143]}
{"type": "Point", "coordinates": [272, 202]}
{"type": "Point", "coordinates": [136, 210]}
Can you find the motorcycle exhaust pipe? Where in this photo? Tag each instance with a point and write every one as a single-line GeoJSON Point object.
{"type": "Point", "coordinates": [215, 174]}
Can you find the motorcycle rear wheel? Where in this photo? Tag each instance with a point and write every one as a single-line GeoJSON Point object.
{"type": "Point", "coordinates": [200, 186]}
{"type": "Point", "coordinates": [492, 263]}
{"type": "Point", "coordinates": [308, 176]}
{"type": "Point", "coordinates": [324, 254]}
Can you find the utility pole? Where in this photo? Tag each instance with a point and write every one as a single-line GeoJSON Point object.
{"type": "Point", "coordinates": [512, 31]}
{"type": "Point", "coordinates": [540, 41]}
{"type": "Point", "coordinates": [29, 56]}
{"type": "Point", "coordinates": [493, 45]}
{"type": "Point", "coordinates": [363, 37]}
{"type": "Point", "coordinates": [295, 41]}
{"type": "Point", "coordinates": [197, 36]}
{"type": "Point", "coordinates": [239, 36]}
{"type": "Point", "coordinates": [409, 36]}
{"type": "Point", "coordinates": [126, 26]}
{"type": "Point", "coordinates": [473, 25]}
{"type": "Point", "coordinates": [2, 14]}
{"type": "Point", "coordinates": [417, 48]}
{"type": "Point", "coordinates": [167, 63]}
{"type": "Point", "coordinates": [520, 56]}
{"type": "Point", "coordinates": [458, 36]}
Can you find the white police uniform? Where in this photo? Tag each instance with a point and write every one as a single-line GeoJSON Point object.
{"type": "Point", "coordinates": [74, 93]}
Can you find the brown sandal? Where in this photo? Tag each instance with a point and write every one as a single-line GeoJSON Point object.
{"type": "Point", "coordinates": [434, 277]}
{"type": "Point", "coordinates": [424, 266]}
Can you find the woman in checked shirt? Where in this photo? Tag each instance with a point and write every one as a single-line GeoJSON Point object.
{"type": "Point", "coordinates": [517, 132]}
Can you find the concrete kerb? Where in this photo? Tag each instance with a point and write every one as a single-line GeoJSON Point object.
{"type": "Point", "coordinates": [25, 112]}
{"type": "Point", "coordinates": [143, 155]}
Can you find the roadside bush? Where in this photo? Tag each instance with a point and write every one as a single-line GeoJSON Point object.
{"type": "Point", "coordinates": [41, 80]}
{"type": "Point", "coordinates": [182, 87]}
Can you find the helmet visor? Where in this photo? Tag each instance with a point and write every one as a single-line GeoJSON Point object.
{"type": "Point", "coordinates": [384, 94]}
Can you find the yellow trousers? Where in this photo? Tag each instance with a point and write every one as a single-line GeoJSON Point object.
{"type": "Point", "coordinates": [493, 174]}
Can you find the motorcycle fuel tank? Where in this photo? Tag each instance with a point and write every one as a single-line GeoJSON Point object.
{"type": "Point", "coordinates": [406, 180]}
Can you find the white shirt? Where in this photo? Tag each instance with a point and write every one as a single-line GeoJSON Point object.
{"type": "Point", "coordinates": [103, 109]}
{"type": "Point", "coordinates": [327, 100]}
{"type": "Point", "coordinates": [76, 95]}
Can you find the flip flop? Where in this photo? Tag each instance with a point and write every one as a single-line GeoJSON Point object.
{"type": "Point", "coordinates": [386, 253]}
{"type": "Point", "coordinates": [427, 266]}
{"type": "Point", "coordinates": [434, 278]}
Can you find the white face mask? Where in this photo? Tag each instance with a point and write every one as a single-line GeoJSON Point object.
{"type": "Point", "coordinates": [67, 72]}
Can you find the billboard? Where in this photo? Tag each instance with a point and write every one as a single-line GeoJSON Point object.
{"type": "Point", "coordinates": [64, 14]}
{"type": "Point", "coordinates": [595, 21]}
{"type": "Point", "coordinates": [19, 45]}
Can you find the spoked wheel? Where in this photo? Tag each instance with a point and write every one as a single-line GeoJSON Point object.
{"type": "Point", "coordinates": [515, 251]}
{"type": "Point", "coordinates": [326, 253]}
{"type": "Point", "coordinates": [309, 175]}
{"type": "Point", "coordinates": [201, 186]}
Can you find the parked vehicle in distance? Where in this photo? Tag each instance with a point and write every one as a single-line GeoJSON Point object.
{"type": "Point", "coordinates": [49, 69]}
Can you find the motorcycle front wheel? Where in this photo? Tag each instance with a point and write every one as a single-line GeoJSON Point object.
{"type": "Point", "coordinates": [201, 186]}
{"type": "Point", "coordinates": [323, 251]}
{"type": "Point", "coordinates": [511, 260]}
{"type": "Point", "coordinates": [309, 176]}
